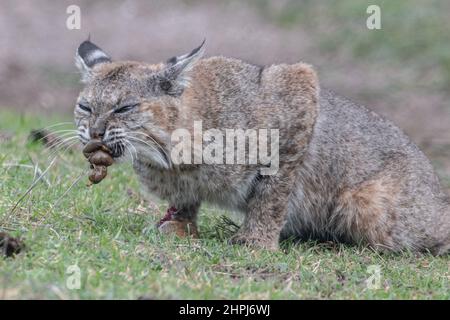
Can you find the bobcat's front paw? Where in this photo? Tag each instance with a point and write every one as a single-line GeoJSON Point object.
{"type": "Point", "coordinates": [254, 242]}
{"type": "Point", "coordinates": [182, 229]}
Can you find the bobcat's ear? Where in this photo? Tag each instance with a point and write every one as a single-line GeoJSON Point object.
{"type": "Point", "coordinates": [87, 57]}
{"type": "Point", "coordinates": [175, 76]}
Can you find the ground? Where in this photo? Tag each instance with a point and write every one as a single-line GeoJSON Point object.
{"type": "Point", "coordinates": [107, 233]}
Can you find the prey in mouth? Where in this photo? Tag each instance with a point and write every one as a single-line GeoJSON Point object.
{"type": "Point", "coordinates": [100, 158]}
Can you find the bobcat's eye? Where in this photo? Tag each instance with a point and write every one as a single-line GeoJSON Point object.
{"type": "Point", "coordinates": [125, 108]}
{"type": "Point", "coordinates": [84, 108]}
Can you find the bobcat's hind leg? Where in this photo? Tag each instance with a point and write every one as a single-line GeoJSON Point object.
{"type": "Point", "coordinates": [368, 212]}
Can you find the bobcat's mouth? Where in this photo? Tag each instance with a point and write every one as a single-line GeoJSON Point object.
{"type": "Point", "coordinates": [117, 149]}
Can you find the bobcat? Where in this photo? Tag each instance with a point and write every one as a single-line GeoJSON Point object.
{"type": "Point", "coordinates": [345, 173]}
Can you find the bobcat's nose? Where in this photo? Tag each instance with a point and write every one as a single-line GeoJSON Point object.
{"type": "Point", "coordinates": [97, 131]}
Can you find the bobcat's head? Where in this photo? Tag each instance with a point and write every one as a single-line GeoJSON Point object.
{"type": "Point", "coordinates": [130, 105]}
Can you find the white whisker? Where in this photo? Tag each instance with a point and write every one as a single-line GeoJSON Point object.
{"type": "Point", "coordinates": [158, 150]}
{"type": "Point", "coordinates": [154, 148]}
{"type": "Point", "coordinates": [127, 143]}
{"type": "Point", "coordinates": [56, 125]}
{"type": "Point", "coordinates": [64, 144]}
{"type": "Point", "coordinates": [60, 144]}
{"type": "Point", "coordinates": [147, 136]}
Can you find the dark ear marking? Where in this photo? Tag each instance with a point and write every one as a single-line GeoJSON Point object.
{"type": "Point", "coordinates": [196, 50]}
{"type": "Point", "coordinates": [186, 57]}
{"type": "Point", "coordinates": [172, 60]}
{"type": "Point", "coordinates": [91, 54]}
{"type": "Point", "coordinates": [87, 56]}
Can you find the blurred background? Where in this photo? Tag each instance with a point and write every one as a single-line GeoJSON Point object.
{"type": "Point", "coordinates": [401, 71]}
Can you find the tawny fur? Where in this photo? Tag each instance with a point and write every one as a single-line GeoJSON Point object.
{"type": "Point", "coordinates": [345, 173]}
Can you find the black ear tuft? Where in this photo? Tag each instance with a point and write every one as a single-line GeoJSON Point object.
{"type": "Point", "coordinates": [91, 54]}
{"type": "Point", "coordinates": [196, 50]}
{"type": "Point", "coordinates": [172, 61]}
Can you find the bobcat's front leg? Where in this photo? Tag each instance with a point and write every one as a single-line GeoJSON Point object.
{"type": "Point", "coordinates": [266, 213]}
{"type": "Point", "coordinates": [181, 221]}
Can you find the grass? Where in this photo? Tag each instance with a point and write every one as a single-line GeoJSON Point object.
{"type": "Point", "coordinates": [108, 232]}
